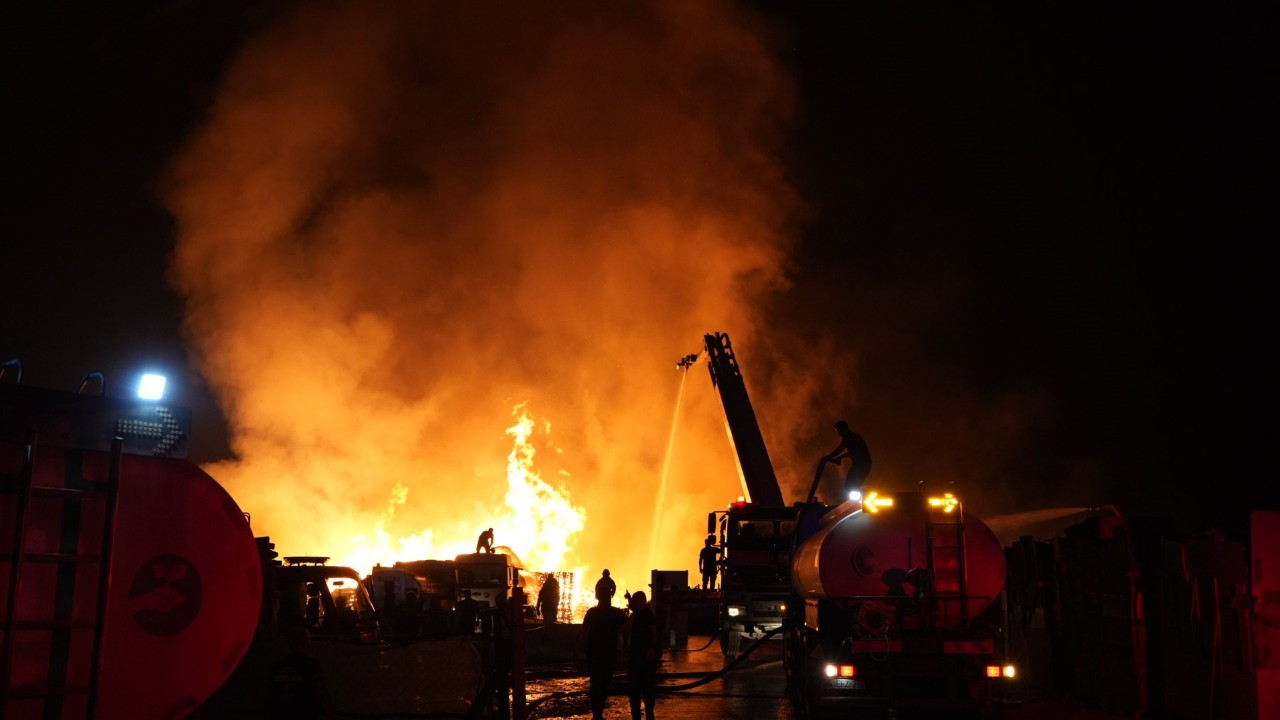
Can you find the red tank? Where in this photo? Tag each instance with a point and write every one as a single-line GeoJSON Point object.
{"type": "Point", "coordinates": [184, 588]}
{"type": "Point", "coordinates": [870, 552]}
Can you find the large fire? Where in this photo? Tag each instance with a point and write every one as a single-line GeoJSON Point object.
{"type": "Point", "coordinates": [538, 524]}
{"type": "Point", "coordinates": [401, 220]}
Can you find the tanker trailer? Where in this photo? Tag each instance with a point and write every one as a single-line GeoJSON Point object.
{"type": "Point", "coordinates": [129, 579]}
{"type": "Point", "coordinates": [898, 605]}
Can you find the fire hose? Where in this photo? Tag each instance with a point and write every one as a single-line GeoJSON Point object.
{"type": "Point", "coordinates": [706, 677]}
{"type": "Point", "coordinates": [722, 671]}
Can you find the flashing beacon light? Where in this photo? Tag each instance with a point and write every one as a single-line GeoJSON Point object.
{"type": "Point", "coordinates": [151, 387]}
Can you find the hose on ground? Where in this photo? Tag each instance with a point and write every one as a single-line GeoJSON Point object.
{"type": "Point", "coordinates": [719, 673]}
{"type": "Point", "coordinates": [533, 704]}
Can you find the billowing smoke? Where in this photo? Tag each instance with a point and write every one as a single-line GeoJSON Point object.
{"type": "Point", "coordinates": [402, 221]}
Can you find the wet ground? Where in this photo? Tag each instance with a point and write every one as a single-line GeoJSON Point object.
{"type": "Point", "coordinates": [440, 678]}
{"type": "Point", "coordinates": [754, 690]}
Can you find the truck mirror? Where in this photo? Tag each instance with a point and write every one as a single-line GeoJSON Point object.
{"type": "Point", "coordinates": [711, 523]}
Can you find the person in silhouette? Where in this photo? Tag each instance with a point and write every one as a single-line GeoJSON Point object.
{"type": "Point", "coordinates": [708, 562]}
{"type": "Point", "coordinates": [296, 686]}
{"type": "Point", "coordinates": [484, 543]}
{"type": "Point", "coordinates": [642, 655]}
{"type": "Point", "coordinates": [599, 637]}
{"type": "Point", "coordinates": [853, 447]}
{"type": "Point", "coordinates": [606, 584]}
{"type": "Point", "coordinates": [549, 598]}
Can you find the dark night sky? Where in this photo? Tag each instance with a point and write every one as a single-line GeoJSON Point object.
{"type": "Point", "coordinates": [1087, 182]}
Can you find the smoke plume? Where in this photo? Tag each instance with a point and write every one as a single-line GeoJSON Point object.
{"type": "Point", "coordinates": [402, 221]}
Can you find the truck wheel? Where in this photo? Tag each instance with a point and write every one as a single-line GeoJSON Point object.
{"type": "Point", "coordinates": [730, 644]}
{"type": "Point", "coordinates": [793, 665]}
{"type": "Point", "coordinates": [800, 685]}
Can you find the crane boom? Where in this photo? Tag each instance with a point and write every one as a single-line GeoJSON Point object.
{"type": "Point", "coordinates": [754, 468]}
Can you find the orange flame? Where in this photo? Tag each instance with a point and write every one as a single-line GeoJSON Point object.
{"type": "Point", "coordinates": [538, 526]}
{"type": "Point", "coordinates": [541, 521]}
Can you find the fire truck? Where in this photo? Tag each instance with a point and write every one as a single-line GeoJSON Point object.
{"type": "Point", "coordinates": [755, 533]}
{"type": "Point", "coordinates": [898, 603]}
{"type": "Point", "coordinates": [886, 601]}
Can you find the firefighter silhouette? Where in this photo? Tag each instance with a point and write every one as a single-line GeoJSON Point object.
{"type": "Point", "coordinates": [643, 652]}
{"type": "Point", "coordinates": [607, 585]}
{"type": "Point", "coordinates": [485, 542]}
{"type": "Point", "coordinates": [853, 447]}
{"type": "Point", "coordinates": [599, 639]}
{"type": "Point", "coordinates": [549, 598]}
{"type": "Point", "coordinates": [708, 560]}
{"type": "Point", "coordinates": [859, 456]}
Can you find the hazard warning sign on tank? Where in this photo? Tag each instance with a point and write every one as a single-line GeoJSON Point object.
{"type": "Point", "coordinates": [165, 595]}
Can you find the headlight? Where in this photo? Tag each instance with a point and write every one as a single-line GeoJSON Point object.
{"type": "Point", "coordinates": [736, 611]}
{"type": "Point", "coordinates": [830, 670]}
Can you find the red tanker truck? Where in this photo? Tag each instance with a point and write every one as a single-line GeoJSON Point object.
{"type": "Point", "coordinates": [130, 582]}
{"type": "Point", "coordinates": [898, 604]}
{"type": "Point", "coordinates": [895, 600]}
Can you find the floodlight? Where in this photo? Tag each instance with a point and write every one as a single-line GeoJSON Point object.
{"type": "Point", "coordinates": [151, 387]}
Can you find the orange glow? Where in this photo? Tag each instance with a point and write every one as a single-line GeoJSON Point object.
{"type": "Point", "coordinates": [391, 229]}
{"type": "Point", "coordinates": [848, 671]}
{"type": "Point", "coordinates": [539, 523]}
{"type": "Point", "coordinates": [993, 671]}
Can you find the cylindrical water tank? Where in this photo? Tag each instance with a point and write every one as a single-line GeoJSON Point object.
{"type": "Point", "coordinates": [858, 553]}
{"type": "Point", "coordinates": [183, 601]}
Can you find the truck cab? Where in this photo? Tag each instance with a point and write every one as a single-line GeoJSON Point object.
{"type": "Point", "coordinates": [755, 544]}
{"type": "Point", "coordinates": [485, 581]}
{"type": "Point", "coordinates": [330, 599]}
{"type": "Point", "coordinates": [487, 578]}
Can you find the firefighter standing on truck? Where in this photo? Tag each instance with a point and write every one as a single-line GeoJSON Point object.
{"type": "Point", "coordinates": [708, 562]}
{"type": "Point", "coordinates": [859, 455]}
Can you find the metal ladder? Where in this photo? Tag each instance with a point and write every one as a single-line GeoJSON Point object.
{"type": "Point", "coordinates": [947, 548]}
{"type": "Point", "coordinates": [69, 560]}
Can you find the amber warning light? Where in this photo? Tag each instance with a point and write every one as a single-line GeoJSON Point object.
{"type": "Point", "coordinates": [947, 502]}
{"type": "Point", "coordinates": [875, 501]}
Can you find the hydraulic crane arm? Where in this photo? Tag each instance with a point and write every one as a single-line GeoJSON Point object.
{"type": "Point", "coordinates": [754, 467]}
